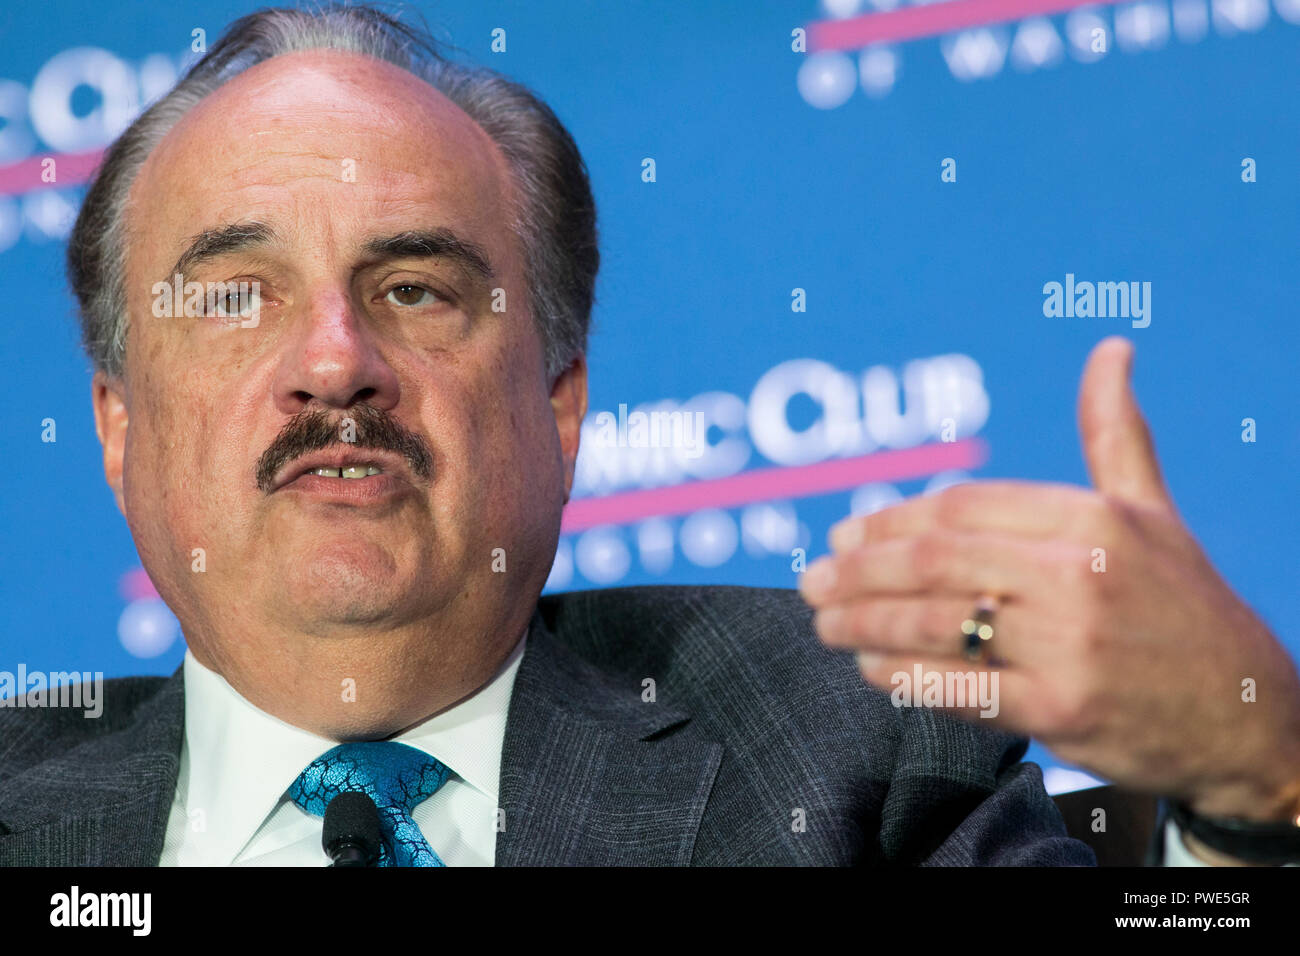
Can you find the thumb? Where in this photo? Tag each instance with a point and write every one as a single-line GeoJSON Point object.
{"type": "Point", "coordinates": [1116, 441]}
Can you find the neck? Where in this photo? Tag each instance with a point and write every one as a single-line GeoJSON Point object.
{"type": "Point", "coordinates": [369, 687]}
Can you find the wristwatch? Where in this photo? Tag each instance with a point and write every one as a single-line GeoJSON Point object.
{"type": "Point", "coordinates": [1273, 843]}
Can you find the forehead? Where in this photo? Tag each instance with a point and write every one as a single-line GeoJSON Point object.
{"type": "Point", "coordinates": [335, 141]}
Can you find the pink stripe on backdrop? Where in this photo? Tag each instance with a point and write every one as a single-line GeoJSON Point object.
{"type": "Point", "coordinates": [908, 23]}
{"type": "Point", "coordinates": [766, 484]}
{"type": "Point", "coordinates": [911, 23]}
{"type": "Point", "coordinates": [70, 169]}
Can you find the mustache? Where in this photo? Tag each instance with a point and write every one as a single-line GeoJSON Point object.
{"type": "Point", "coordinates": [315, 430]}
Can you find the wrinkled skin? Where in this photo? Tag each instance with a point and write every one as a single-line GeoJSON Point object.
{"type": "Point", "coordinates": [1136, 672]}
{"type": "Point", "coordinates": [302, 593]}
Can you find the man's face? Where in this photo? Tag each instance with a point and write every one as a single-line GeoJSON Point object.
{"type": "Point", "coordinates": [331, 162]}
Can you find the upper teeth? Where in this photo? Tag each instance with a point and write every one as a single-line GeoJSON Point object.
{"type": "Point", "coordinates": [352, 471]}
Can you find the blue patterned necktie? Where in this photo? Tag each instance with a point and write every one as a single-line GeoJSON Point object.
{"type": "Point", "coordinates": [395, 776]}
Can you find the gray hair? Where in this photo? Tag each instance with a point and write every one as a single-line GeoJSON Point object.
{"type": "Point", "coordinates": [555, 221]}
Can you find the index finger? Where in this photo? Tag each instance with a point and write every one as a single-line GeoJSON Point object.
{"type": "Point", "coordinates": [1029, 508]}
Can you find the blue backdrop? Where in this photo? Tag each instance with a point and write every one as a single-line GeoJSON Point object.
{"type": "Point", "coordinates": [775, 170]}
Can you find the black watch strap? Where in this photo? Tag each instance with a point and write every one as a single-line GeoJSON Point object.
{"type": "Point", "coordinates": [1271, 843]}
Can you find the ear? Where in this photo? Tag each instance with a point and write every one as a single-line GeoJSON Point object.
{"type": "Point", "coordinates": [108, 398]}
{"type": "Point", "coordinates": [569, 402]}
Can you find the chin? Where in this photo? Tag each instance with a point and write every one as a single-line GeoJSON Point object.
{"type": "Point", "coordinates": [347, 589]}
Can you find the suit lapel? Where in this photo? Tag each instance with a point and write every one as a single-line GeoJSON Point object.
{"type": "Point", "coordinates": [105, 802]}
{"type": "Point", "coordinates": [589, 776]}
{"type": "Point", "coordinates": [584, 778]}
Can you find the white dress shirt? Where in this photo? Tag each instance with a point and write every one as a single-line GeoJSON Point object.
{"type": "Point", "coordinates": [237, 762]}
{"type": "Point", "coordinates": [1176, 852]}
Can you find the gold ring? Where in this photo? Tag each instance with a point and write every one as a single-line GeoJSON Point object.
{"type": "Point", "coordinates": [977, 629]}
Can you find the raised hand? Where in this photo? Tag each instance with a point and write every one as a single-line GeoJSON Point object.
{"type": "Point", "coordinates": [1116, 643]}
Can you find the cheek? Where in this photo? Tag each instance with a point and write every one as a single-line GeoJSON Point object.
{"type": "Point", "coordinates": [524, 422]}
{"type": "Point", "coordinates": [172, 469]}
{"type": "Point", "coordinates": [512, 449]}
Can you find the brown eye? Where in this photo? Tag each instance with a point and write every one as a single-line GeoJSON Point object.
{"type": "Point", "coordinates": [411, 295]}
{"type": "Point", "coordinates": [238, 303]}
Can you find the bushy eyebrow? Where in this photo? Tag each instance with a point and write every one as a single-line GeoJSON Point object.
{"type": "Point", "coordinates": [412, 244]}
{"type": "Point", "coordinates": [432, 244]}
{"type": "Point", "coordinates": [221, 241]}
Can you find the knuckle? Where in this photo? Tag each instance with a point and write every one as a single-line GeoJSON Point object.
{"type": "Point", "coordinates": [1081, 631]}
{"type": "Point", "coordinates": [928, 553]}
{"type": "Point", "coordinates": [1079, 571]}
{"type": "Point", "coordinates": [941, 629]}
{"type": "Point", "coordinates": [1115, 518]}
{"type": "Point", "coordinates": [855, 529]}
{"type": "Point", "coordinates": [1073, 567]}
{"type": "Point", "coordinates": [1095, 516]}
{"type": "Point", "coordinates": [826, 621]}
{"type": "Point", "coordinates": [876, 526]}
{"type": "Point", "coordinates": [953, 505]}
{"type": "Point", "coordinates": [862, 620]}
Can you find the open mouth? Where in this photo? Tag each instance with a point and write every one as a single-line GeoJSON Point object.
{"type": "Point", "coordinates": [348, 471]}
{"type": "Point", "coordinates": [347, 476]}
{"type": "Point", "coordinates": [348, 483]}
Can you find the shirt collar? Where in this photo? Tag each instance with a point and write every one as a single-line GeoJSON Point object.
{"type": "Point", "coordinates": [239, 760]}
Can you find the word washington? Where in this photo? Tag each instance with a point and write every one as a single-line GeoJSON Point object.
{"type": "Point", "coordinates": [56, 689]}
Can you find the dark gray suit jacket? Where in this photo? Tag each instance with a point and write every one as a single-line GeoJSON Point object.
{"type": "Point", "coordinates": [754, 719]}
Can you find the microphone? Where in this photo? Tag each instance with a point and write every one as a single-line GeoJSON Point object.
{"type": "Point", "coordinates": [351, 835]}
